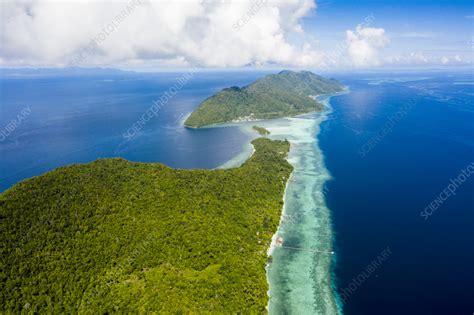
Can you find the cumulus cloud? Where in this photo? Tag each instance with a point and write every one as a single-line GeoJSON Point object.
{"type": "Point", "coordinates": [182, 33]}
{"type": "Point", "coordinates": [363, 45]}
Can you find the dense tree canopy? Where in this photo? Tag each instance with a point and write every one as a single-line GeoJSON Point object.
{"type": "Point", "coordinates": [261, 131]}
{"type": "Point", "coordinates": [113, 235]}
{"type": "Point", "coordinates": [284, 94]}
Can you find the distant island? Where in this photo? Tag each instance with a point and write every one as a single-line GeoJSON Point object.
{"type": "Point", "coordinates": [115, 236]}
{"type": "Point", "coordinates": [285, 94]}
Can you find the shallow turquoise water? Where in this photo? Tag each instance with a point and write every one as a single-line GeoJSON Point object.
{"type": "Point", "coordinates": [300, 272]}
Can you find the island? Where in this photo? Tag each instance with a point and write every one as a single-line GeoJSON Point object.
{"type": "Point", "coordinates": [285, 94]}
{"type": "Point", "coordinates": [118, 236]}
{"type": "Point", "coordinates": [261, 131]}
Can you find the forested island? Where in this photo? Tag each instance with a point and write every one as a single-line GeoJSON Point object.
{"type": "Point", "coordinates": [285, 94]}
{"type": "Point", "coordinates": [117, 236]}
{"type": "Point", "coordinates": [261, 131]}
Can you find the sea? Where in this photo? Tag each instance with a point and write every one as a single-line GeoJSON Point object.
{"type": "Point", "coordinates": [379, 211]}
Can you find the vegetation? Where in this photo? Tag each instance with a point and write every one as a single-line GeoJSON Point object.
{"type": "Point", "coordinates": [117, 236]}
{"type": "Point", "coordinates": [284, 94]}
{"type": "Point", "coordinates": [262, 131]}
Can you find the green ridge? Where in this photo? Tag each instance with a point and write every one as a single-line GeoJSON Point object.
{"type": "Point", "coordinates": [284, 94]}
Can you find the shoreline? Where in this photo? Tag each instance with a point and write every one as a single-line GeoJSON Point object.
{"type": "Point", "coordinates": [300, 273]}
{"type": "Point", "coordinates": [325, 100]}
{"type": "Point", "coordinates": [273, 246]}
{"type": "Point", "coordinates": [290, 269]}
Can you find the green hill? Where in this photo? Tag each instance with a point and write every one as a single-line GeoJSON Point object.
{"type": "Point", "coordinates": [284, 94]}
{"type": "Point", "coordinates": [117, 236]}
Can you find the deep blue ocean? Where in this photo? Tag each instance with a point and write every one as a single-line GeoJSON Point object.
{"type": "Point", "coordinates": [387, 165]}
{"type": "Point", "coordinates": [392, 145]}
{"type": "Point", "coordinates": [80, 118]}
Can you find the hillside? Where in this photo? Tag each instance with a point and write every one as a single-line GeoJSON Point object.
{"type": "Point", "coordinates": [117, 236]}
{"type": "Point", "coordinates": [284, 94]}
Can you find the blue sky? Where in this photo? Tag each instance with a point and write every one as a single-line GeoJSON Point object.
{"type": "Point", "coordinates": [435, 28]}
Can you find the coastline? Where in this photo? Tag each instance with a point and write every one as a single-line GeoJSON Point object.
{"type": "Point", "coordinates": [305, 224]}
{"type": "Point", "coordinates": [301, 270]}
{"type": "Point", "coordinates": [301, 280]}
{"type": "Point", "coordinates": [300, 275]}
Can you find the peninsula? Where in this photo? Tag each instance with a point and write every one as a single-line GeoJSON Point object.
{"type": "Point", "coordinates": [117, 236]}
{"type": "Point", "coordinates": [285, 94]}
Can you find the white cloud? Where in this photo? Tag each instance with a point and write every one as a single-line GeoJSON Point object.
{"type": "Point", "coordinates": [451, 60]}
{"type": "Point", "coordinates": [415, 35]}
{"type": "Point", "coordinates": [420, 59]}
{"type": "Point", "coordinates": [363, 45]}
{"type": "Point", "coordinates": [413, 58]}
{"type": "Point", "coordinates": [202, 33]}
